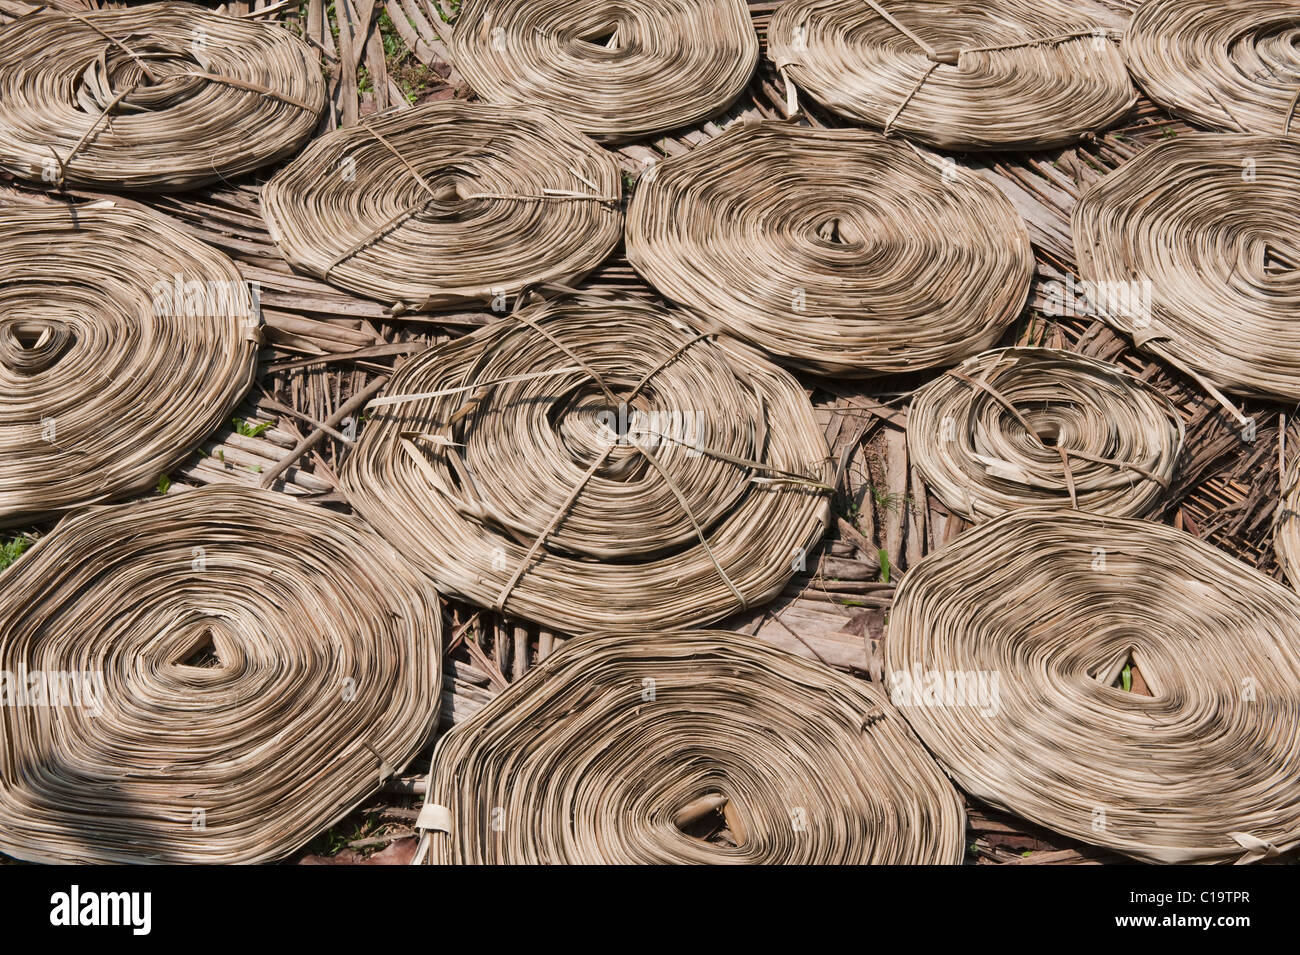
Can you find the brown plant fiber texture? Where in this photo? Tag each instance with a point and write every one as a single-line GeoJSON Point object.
{"type": "Point", "coordinates": [589, 463]}
{"type": "Point", "coordinates": [987, 76]}
{"type": "Point", "coordinates": [156, 97]}
{"type": "Point", "coordinates": [834, 251]}
{"type": "Point", "coordinates": [1191, 249]}
{"type": "Point", "coordinates": [124, 342]}
{"type": "Point", "coordinates": [1229, 65]}
{"type": "Point", "coordinates": [1054, 604]}
{"type": "Point", "coordinates": [1024, 427]}
{"type": "Point", "coordinates": [630, 748]}
{"type": "Point", "coordinates": [618, 71]}
{"type": "Point", "coordinates": [256, 667]}
{"type": "Point", "coordinates": [447, 204]}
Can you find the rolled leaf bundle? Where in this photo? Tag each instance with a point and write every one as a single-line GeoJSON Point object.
{"type": "Point", "coordinates": [1019, 427]}
{"type": "Point", "coordinates": [1192, 248]}
{"type": "Point", "coordinates": [996, 75]}
{"type": "Point", "coordinates": [446, 204]}
{"type": "Point", "coordinates": [155, 97]}
{"type": "Point", "coordinates": [124, 342]}
{"type": "Point", "coordinates": [1230, 65]}
{"type": "Point", "coordinates": [215, 676]}
{"type": "Point", "coordinates": [834, 251]}
{"type": "Point", "coordinates": [615, 71]}
{"type": "Point", "coordinates": [589, 463]}
{"type": "Point", "coordinates": [1118, 681]}
{"type": "Point", "coordinates": [698, 747]}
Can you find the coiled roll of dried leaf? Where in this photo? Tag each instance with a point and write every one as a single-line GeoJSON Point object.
{"type": "Point", "coordinates": [1192, 247]}
{"type": "Point", "coordinates": [631, 748]}
{"type": "Point", "coordinates": [997, 75]}
{"type": "Point", "coordinates": [447, 203]}
{"type": "Point", "coordinates": [590, 463]}
{"type": "Point", "coordinates": [1231, 65]}
{"type": "Point", "coordinates": [257, 666]}
{"type": "Point", "coordinates": [1044, 608]}
{"type": "Point", "coordinates": [158, 97]}
{"type": "Point", "coordinates": [616, 71]}
{"type": "Point", "coordinates": [123, 343]}
{"type": "Point", "coordinates": [835, 251]}
{"type": "Point", "coordinates": [1019, 427]}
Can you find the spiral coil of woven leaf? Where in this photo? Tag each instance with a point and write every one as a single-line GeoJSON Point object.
{"type": "Point", "coordinates": [447, 203]}
{"type": "Point", "coordinates": [159, 97]}
{"type": "Point", "coordinates": [1231, 65]}
{"type": "Point", "coordinates": [832, 250]}
{"type": "Point", "coordinates": [1049, 606]}
{"type": "Point", "coordinates": [237, 671]}
{"type": "Point", "coordinates": [618, 72]}
{"type": "Point", "coordinates": [1192, 249]}
{"type": "Point", "coordinates": [623, 747]}
{"type": "Point", "coordinates": [123, 343]}
{"type": "Point", "coordinates": [589, 463]}
{"type": "Point", "coordinates": [998, 75]}
{"type": "Point", "coordinates": [1020, 427]}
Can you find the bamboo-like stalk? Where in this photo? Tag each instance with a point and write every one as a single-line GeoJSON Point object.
{"type": "Point", "coordinates": [124, 342]}
{"type": "Point", "coordinates": [994, 75]}
{"type": "Point", "coordinates": [1045, 608]}
{"type": "Point", "coordinates": [835, 251]}
{"type": "Point", "coordinates": [1229, 65]}
{"type": "Point", "coordinates": [157, 97]}
{"type": "Point", "coordinates": [1020, 427]}
{"type": "Point", "coordinates": [618, 72]}
{"type": "Point", "coordinates": [1286, 522]}
{"type": "Point", "coordinates": [447, 203]}
{"type": "Point", "coordinates": [256, 666]}
{"type": "Point", "coordinates": [589, 463]}
{"type": "Point", "coordinates": [618, 744]}
{"type": "Point", "coordinates": [1191, 248]}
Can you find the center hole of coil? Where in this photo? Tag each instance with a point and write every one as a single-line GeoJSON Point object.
{"type": "Point", "coordinates": [30, 347]}
{"type": "Point", "coordinates": [31, 337]}
{"type": "Point", "coordinates": [1045, 425]}
{"type": "Point", "coordinates": [713, 818]}
{"type": "Point", "coordinates": [605, 35]}
{"type": "Point", "coordinates": [832, 230]}
{"type": "Point", "coordinates": [617, 420]}
{"type": "Point", "coordinates": [150, 63]}
{"type": "Point", "coordinates": [1125, 673]}
{"type": "Point", "coordinates": [1278, 260]}
{"type": "Point", "coordinates": [449, 183]}
{"type": "Point", "coordinates": [1049, 433]}
{"type": "Point", "coordinates": [202, 654]}
{"type": "Point", "coordinates": [1130, 678]}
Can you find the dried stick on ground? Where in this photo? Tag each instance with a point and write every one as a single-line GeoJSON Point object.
{"type": "Point", "coordinates": [1286, 523]}
{"type": "Point", "coordinates": [348, 408]}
